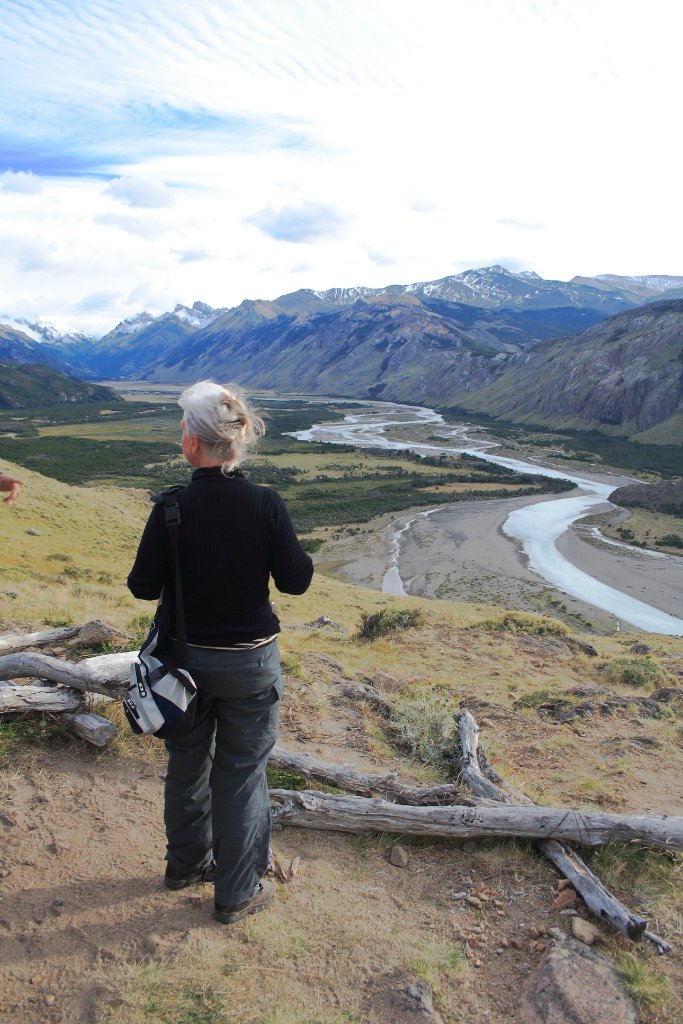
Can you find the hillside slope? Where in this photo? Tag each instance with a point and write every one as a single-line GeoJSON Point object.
{"type": "Point", "coordinates": [24, 384]}
{"type": "Point", "coordinates": [624, 375]}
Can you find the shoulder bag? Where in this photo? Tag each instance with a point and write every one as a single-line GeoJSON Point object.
{"type": "Point", "coordinates": [163, 699]}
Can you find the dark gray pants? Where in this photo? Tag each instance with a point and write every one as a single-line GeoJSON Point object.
{"type": "Point", "coordinates": [216, 793]}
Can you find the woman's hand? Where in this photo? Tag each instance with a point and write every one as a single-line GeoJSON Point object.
{"type": "Point", "coordinates": [13, 485]}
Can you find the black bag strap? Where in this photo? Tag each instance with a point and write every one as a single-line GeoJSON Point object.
{"type": "Point", "coordinates": [168, 498]}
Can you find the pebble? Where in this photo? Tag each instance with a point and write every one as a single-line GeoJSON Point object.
{"type": "Point", "coordinates": [475, 902]}
{"type": "Point", "coordinates": [567, 898]}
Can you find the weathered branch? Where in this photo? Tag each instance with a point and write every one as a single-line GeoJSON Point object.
{"type": "Point", "coordinates": [93, 728]}
{"type": "Point", "coordinates": [95, 632]}
{"type": "Point", "coordinates": [106, 674]}
{"type": "Point", "coordinates": [384, 784]}
{"type": "Point", "coordinates": [14, 699]}
{"type": "Point", "coordinates": [311, 809]}
{"type": "Point", "coordinates": [597, 898]}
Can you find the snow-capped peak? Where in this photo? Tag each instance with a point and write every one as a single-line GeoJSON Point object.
{"type": "Point", "coordinates": [40, 330]}
{"type": "Point", "coordinates": [201, 314]}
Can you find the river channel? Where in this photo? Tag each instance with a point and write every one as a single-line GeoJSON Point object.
{"type": "Point", "coordinates": [538, 527]}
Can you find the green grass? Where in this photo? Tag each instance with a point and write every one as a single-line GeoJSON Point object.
{"type": "Point", "coordinates": [648, 988]}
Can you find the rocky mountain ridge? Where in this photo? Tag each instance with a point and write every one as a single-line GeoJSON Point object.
{"type": "Point", "coordinates": [516, 354]}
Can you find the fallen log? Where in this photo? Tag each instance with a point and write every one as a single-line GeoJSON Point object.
{"type": "Point", "coordinates": [597, 898]}
{"type": "Point", "coordinates": [95, 632]}
{"type": "Point", "coordinates": [93, 728]}
{"type": "Point", "coordinates": [15, 699]}
{"type": "Point", "coordinates": [107, 674]}
{"type": "Point", "coordinates": [311, 809]}
{"type": "Point", "coordinates": [384, 784]}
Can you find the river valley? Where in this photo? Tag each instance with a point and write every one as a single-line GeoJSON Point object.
{"type": "Point", "coordinates": [498, 550]}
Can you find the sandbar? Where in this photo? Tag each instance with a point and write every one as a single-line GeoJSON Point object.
{"type": "Point", "coordinates": [459, 552]}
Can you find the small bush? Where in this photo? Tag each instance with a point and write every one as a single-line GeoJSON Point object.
{"type": "Point", "coordinates": [426, 726]}
{"type": "Point", "coordinates": [672, 540]}
{"type": "Point", "coordinates": [521, 623]}
{"type": "Point", "coordinates": [311, 544]}
{"type": "Point", "coordinates": [635, 672]}
{"type": "Point", "coordinates": [388, 620]}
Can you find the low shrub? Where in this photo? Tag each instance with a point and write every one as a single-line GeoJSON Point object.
{"type": "Point", "coordinates": [386, 621]}
{"type": "Point", "coordinates": [523, 623]}
{"type": "Point", "coordinates": [426, 726]}
{"type": "Point", "coordinates": [311, 544]}
{"type": "Point", "coordinates": [636, 672]}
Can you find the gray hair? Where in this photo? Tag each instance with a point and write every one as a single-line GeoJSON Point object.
{"type": "Point", "coordinates": [222, 418]}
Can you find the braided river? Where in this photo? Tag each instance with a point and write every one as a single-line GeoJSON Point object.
{"type": "Point", "coordinates": [537, 528]}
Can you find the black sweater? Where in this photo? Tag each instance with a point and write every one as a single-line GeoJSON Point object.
{"type": "Point", "coordinates": [234, 534]}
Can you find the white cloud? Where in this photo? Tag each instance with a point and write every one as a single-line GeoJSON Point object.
{"type": "Point", "coordinates": [22, 182]}
{"type": "Point", "coordinates": [305, 222]}
{"type": "Point", "coordinates": [132, 225]}
{"type": "Point", "coordinates": [145, 193]}
{"type": "Point", "coordinates": [395, 141]}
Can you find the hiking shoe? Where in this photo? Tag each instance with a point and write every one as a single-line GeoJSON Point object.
{"type": "Point", "coordinates": [259, 901]}
{"type": "Point", "coordinates": [181, 879]}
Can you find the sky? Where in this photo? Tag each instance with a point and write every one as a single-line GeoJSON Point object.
{"type": "Point", "coordinates": [155, 153]}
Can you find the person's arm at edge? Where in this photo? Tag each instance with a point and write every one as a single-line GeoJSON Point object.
{"type": "Point", "coordinates": [150, 569]}
{"type": "Point", "coordinates": [13, 485]}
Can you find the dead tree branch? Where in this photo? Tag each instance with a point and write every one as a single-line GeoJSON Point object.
{"type": "Point", "coordinates": [107, 674]}
{"type": "Point", "coordinates": [95, 632]}
{"type": "Point", "coordinates": [311, 809]}
{"type": "Point", "coordinates": [383, 784]}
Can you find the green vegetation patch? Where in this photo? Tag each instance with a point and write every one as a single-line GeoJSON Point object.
{"type": "Point", "coordinates": [521, 623]}
{"type": "Point", "coordinates": [77, 461]}
{"type": "Point", "coordinates": [649, 989]}
{"type": "Point", "coordinates": [388, 621]}
{"type": "Point", "coordinates": [636, 672]}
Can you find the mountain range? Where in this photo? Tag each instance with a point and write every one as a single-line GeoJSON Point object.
{"type": "Point", "coordinates": [588, 352]}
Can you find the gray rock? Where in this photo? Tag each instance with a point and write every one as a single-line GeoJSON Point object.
{"type": "Point", "coordinates": [399, 856]}
{"type": "Point", "coordinates": [418, 1001]}
{"type": "Point", "coordinates": [575, 985]}
{"type": "Point", "coordinates": [33, 533]}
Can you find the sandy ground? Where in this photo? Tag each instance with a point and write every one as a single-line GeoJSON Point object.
{"type": "Point", "coordinates": [460, 552]}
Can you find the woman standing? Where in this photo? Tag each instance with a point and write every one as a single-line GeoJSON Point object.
{"type": "Point", "coordinates": [234, 535]}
